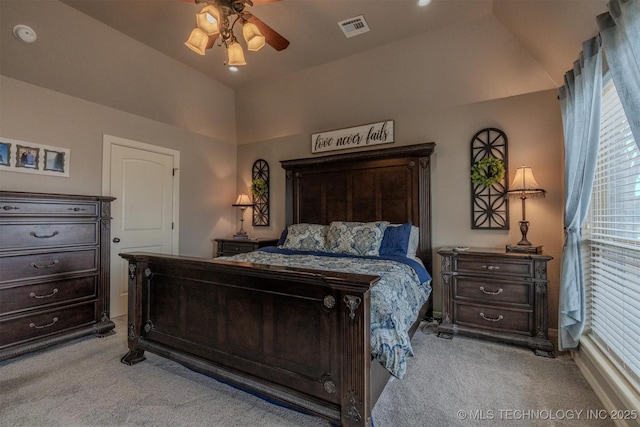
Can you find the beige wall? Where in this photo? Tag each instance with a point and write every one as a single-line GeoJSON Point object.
{"type": "Point", "coordinates": [208, 166]}
{"type": "Point", "coordinates": [81, 57]}
{"type": "Point", "coordinates": [442, 86]}
{"type": "Point", "coordinates": [534, 128]}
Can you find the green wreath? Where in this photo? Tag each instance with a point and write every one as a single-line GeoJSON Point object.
{"type": "Point", "coordinates": [258, 187]}
{"type": "Point", "coordinates": [487, 171]}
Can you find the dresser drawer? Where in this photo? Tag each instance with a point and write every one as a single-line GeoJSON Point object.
{"type": "Point", "coordinates": [494, 266]}
{"type": "Point", "coordinates": [29, 266]}
{"type": "Point", "coordinates": [496, 318]}
{"type": "Point", "coordinates": [36, 325]}
{"type": "Point", "coordinates": [17, 298]}
{"type": "Point", "coordinates": [26, 236]}
{"type": "Point", "coordinates": [9, 207]}
{"type": "Point", "coordinates": [492, 291]}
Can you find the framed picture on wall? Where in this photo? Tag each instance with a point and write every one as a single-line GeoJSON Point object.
{"type": "Point", "coordinates": [54, 160]}
{"type": "Point", "coordinates": [5, 153]}
{"type": "Point", "coordinates": [27, 157]}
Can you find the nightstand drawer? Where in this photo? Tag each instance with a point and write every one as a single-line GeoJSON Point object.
{"type": "Point", "coordinates": [495, 266]}
{"type": "Point", "coordinates": [238, 248]}
{"type": "Point", "coordinates": [492, 291]}
{"type": "Point", "coordinates": [495, 318]}
{"type": "Point", "coordinates": [228, 247]}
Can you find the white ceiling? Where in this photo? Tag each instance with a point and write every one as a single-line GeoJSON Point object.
{"type": "Point", "coordinates": [550, 30]}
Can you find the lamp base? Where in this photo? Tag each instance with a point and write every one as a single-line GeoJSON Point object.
{"type": "Point", "coordinates": [241, 236]}
{"type": "Point", "coordinates": [524, 249]}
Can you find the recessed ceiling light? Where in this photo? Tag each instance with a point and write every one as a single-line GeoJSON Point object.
{"type": "Point", "coordinates": [233, 68]}
{"type": "Point", "coordinates": [423, 2]}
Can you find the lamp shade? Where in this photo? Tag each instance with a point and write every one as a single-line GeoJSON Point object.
{"type": "Point", "coordinates": [235, 54]}
{"type": "Point", "coordinates": [524, 183]}
{"type": "Point", "coordinates": [243, 201]}
{"type": "Point", "coordinates": [208, 19]}
{"type": "Point", "coordinates": [199, 41]}
{"type": "Point", "coordinates": [252, 35]}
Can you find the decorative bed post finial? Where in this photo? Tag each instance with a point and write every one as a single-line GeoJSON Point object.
{"type": "Point", "coordinates": [352, 304]}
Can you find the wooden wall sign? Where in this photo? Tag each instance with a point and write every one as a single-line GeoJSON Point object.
{"type": "Point", "coordinates": [489, 204]}
{"type": "Point", "coordinates": [359, 136]}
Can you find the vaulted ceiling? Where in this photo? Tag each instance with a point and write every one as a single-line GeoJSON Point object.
{"type": "Point", "coordinates": [130, 55]}
{"type": "Point", "coordinates": [550, 30]}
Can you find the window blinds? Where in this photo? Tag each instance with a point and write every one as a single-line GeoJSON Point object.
{"type": "Point", "coordinates": [613, 239]}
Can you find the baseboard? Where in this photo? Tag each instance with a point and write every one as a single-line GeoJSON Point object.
{"type": "Point", "coordinates": [615, 391]}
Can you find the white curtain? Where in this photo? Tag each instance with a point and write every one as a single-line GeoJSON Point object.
{"type": "Point", "coordinates": [620, 32]}
{"type": "Point", "coordinates": [580, 103]}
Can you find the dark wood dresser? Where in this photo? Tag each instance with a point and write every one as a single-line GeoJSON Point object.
{"type": "Point", "coordinates": [228, 247]}
{"type": "Point", "coordinates": [495, 295]}
{"type": "Point", "coordinates": [54, 269]}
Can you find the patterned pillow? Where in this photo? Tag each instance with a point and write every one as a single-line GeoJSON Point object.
{"type": "Point", "coordinates": [356, 238]}
{"type": "Point", "coordinates": [306, 237]}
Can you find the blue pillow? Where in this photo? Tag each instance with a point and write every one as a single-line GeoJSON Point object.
{"type": "Point", "coordinates": [396, 240]}
{"type": "Point", "coordinates": [283, 237]}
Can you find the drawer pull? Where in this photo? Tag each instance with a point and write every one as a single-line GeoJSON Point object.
{"type": "Point", "coordinates": [34, 234]}
{"type": "Point", "coordinates": [33, 325]}
{"type": "Point", "coordinates": [491, 267]}
{"type": "Point", "coordinates": [9, 208]}
{"type": "Point", "coordinates": [55, 291]}
{"type": "Point", "coordinates": [499, 291]}
{"type": "Point", "coordinates": [41, 264]}
{"type": "Point", "coordinates": [77, 209]}
{"type": "Point", "coordinates": [491, 319]}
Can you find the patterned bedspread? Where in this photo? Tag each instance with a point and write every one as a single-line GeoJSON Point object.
{"type": "Point", "coordinates": [395, 300]}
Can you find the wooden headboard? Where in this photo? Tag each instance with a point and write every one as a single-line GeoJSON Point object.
{"type": "Point", "coordinates": [392, 184]}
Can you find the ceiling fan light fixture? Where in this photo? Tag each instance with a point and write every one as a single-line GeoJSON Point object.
{"type": "Point", "coordinates": [235, 54]}
{"type": "Point", "coordinates": [252, 35]}
{"type": "Point", "coordinates": [208, 19]}
{"type": "Point", "coordinates": [199, 41]}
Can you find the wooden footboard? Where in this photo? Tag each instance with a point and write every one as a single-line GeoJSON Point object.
{"type": "Point", "coordinates": [300, 337]}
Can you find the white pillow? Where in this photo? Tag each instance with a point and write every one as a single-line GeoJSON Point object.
{"type": "Point", "coordinates": [414, 240]}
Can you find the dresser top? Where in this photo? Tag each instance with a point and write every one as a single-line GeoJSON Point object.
{"type": "Point", "coordinates": [30, 195]}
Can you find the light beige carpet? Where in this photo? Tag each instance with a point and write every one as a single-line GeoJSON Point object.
{"type": "Point", "coordinates": [83, 383]}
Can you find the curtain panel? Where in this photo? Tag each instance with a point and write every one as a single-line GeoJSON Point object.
{"type": "Point", "coordinates": [620, 32]}
{"type": "Point", "coordinates": [580, 103]}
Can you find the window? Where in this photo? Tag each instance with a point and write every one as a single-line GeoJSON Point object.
{"type": "Point", "coordinates": [611, 240]}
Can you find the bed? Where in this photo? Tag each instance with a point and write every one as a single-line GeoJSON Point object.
{"type": "Point", "coordinates": [297, 334]}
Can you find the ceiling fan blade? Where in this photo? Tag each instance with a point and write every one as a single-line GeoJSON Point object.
{"type": "Point", "coordinates": [274, 39]}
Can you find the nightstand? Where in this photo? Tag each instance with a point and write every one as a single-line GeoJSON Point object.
{"type": "Point", "coordinates": [227, 247]}
{"type": "Point", "coordinates": [496, 295]}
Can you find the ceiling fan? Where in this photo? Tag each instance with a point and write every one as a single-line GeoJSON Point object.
{"type": "Point", "coordinates": [216, 21]}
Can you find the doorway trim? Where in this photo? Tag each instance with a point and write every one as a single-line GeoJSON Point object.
{"type": "Point", "coordinates": [109, 140]}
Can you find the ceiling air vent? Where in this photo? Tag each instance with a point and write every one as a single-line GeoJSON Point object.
{"type": "Point", "coordinates": [354, 26]}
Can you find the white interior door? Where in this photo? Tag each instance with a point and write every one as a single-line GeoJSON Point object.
{"type": "Point", "coordinates": [144, 213]}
